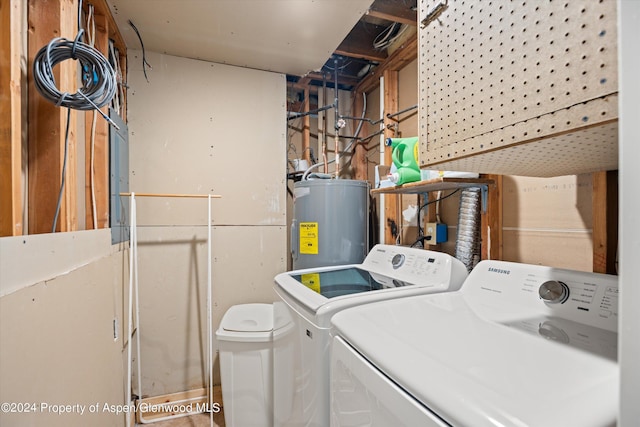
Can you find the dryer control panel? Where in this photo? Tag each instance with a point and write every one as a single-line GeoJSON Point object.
{"type": "Point", "coordinates": [534, 290]}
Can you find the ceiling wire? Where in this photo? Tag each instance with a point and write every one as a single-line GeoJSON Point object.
{"type": "Point", "coordinates": [145, 63]}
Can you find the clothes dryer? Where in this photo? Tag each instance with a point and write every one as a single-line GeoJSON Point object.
{"type": "Point", "coordinates": [517, 345]}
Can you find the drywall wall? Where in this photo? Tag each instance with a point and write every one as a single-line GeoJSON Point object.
{"type": "Point", "coordinates": [548, 221]}
{"type": "Point", "coordinates": [57, 335]}
{"type": "Point", "coordinates": [197, 128]}
{"type": "Point", "coordinates": [25, 260]}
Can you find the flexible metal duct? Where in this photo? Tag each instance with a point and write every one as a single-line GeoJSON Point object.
{"type": "Point", "coordinates": [468, 235]}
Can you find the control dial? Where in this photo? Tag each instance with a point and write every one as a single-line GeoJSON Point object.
{"type": "Point", "coordinates": [554, 292]}
{"type": "Point", "coordinates": [397, 260]}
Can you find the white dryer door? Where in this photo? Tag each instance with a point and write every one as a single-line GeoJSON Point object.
{"type": "Point", "coordinates": [362, 396]}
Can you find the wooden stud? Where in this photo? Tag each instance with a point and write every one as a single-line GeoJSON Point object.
{"type": "Point", "coordinates": [491, 220]}
{"type": "Point", "coordinates": [102, 8]}
{"type": "Point", "coordinates": [605, 221]}
{"type": "Point", "coordinates": [47, 122]}
{"type": "Point", "coordinates": [99, 162]}
{"type": "Point", "coordinates": [393, 10]}
{"type": "Point", "coordinates": [10, 118]}
{"type": "Point", "coordinates": [306, 128]}
{"type": "Point", "coordinates": [402, 56]}
{"type": "Point", "coordinates": [430, 216]}
{"type": "Point", "coordinates": [391, 201]}
{"type": "Point", "coordinates": [359, 162]}
{"type": "Point", "coordinates": [123, 68]}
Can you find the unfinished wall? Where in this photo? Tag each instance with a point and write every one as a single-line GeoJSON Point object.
{"type": "Point", "coordinates": [548, 221]}
{"type": "Point", "coordinates": [198, 127]}
{"type": "Point", "coordinates": [545, 221]}
{"type": "Point", "coordinates": [57, 335]}
{"type": "Point", "coordinates": [408, 127]}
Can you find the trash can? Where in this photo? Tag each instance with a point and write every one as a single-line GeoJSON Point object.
{"type": "Point", "coordinates": [245, 348]}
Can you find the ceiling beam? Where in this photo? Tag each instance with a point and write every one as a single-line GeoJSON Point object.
{"type": "Point", "coordinates": [342, 80]}
{"type": "Point", "coordinates": [402, 56]}
{"type": "Point", "coordinates": [359, 44]}
{"type": "Point", "coordinates": [395, 11]}
{"type": "Point", "coordinates": [369, 55]}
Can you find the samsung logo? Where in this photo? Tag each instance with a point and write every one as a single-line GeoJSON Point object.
{"type": "Point", "coordinates": [499, 270]}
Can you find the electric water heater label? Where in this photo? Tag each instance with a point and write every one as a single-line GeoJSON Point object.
{"type": "Point", "coordinates": [311, 281]}
{"type": "Point", "coordinates": [309, 238]}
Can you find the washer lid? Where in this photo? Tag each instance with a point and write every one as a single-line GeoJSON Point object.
{"type": "Point", "coordinates": [475, 372]}
{"type": "Point", "coordinates": [248, 318]}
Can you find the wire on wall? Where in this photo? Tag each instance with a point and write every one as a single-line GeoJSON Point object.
{"type": "Point", "coordinates": [145, 63]}
{"type": "Point", "coordinates": [91, 36]}
{"type": "Point", "coordinates": [98, 84]}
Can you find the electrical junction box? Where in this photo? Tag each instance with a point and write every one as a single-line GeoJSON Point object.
{"type": "Point", "coordinates": [435, 233]}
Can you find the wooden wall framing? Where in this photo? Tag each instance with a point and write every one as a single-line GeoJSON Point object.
{"type": "Point", "coordinates": [97, 169]}
{"type": "Point", "coordinates": [47, 123]}
{"type": "Point", "coordinates": [42, 128]}
{"type": "Point", "coordinates": [11, 76]}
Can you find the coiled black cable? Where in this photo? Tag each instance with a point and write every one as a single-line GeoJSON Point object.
{"type": "Point", "coordinates": [98, 77]}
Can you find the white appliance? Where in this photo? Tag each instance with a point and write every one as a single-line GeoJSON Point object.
{"type": "Point", "coordinates": [518, 345]}
{"type": "Point", "coordinates": [309, 298]}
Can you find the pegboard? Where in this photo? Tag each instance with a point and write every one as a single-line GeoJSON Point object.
{"type": "Point", "coordinates": [498, 74]}
{"type": "Point", "coordinates": [582, 151]}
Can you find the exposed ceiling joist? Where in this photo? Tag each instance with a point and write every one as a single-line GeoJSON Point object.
{"type": "Point", "coordinates": [402, 56]}
{"type": "Point", "coordinates": [395, 11]}
{"type": "Point", "coordinates": [342, 80]}
{"type": "Point", "coordinates": [359, 43]}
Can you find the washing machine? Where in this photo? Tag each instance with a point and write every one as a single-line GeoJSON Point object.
{"type": "Point", "coordinates": [307, 300]}
{"type": "Point", "coordinates": [517, 345]}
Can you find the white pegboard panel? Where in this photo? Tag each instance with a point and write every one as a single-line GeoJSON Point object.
{"type": "Point", "coordinates": [587, 150]}
{"type": "Point", "coordinates": [508, 70]}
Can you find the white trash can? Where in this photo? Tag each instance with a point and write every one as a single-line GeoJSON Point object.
{"type": "Point", "coordinates": [245, 346]}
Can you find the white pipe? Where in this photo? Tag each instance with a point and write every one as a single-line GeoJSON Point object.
{"type": "Point", "coordinates": [209, 328]}
{"type": "Point", "coordinates": [137, 331]}
{"type": "Point", "coordinates": [381, 213]}
{"type": "Point", "coordinates": [132, 227]}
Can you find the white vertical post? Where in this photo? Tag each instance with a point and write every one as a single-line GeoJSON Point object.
{"type": "Point", "coordinates": [629, 232]}
{"type": "Point", "coordinates": [134, 235]}
{"type": "Point", "coordinates": [209, 307]}
{"type": "Point", "coordinates": [132, 250]}
{"type": "Point", "coordinates": [381, 212]}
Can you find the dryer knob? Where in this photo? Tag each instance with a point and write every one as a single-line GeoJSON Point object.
{"type": "Point", "coordinates": [397, 260]}
{"type": "Point", "coordinates": [554, 292]}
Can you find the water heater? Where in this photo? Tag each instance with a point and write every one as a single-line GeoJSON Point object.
{"type": "Point", "coordinates": [330, 222]}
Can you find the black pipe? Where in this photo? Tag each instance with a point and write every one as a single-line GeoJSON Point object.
{"type": "Point", "coordinates": [306, 113]}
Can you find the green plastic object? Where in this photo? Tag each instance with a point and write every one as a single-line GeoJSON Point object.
{"type": "Point", "coordinates": [405, 159]}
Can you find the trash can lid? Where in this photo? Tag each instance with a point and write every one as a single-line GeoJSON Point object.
{"type": "Point", "coordinates": [255, 317]}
